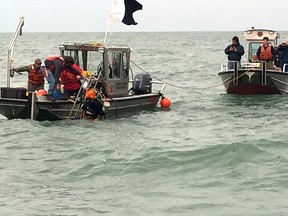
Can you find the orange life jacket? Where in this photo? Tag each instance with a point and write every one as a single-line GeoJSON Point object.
{"type": "Point", "coordinates": [36, 77]}
{"type": "Point", "coordinates": [266, 54]}
{"type": "Point", "coordinates": [69, 79]}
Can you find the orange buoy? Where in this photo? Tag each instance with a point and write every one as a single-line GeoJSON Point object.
{"type": "Point", "coordinates": [41, 92]}
{"type": "Point", "coordinates": [165, 102]}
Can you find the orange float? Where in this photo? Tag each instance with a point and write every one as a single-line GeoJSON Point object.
{"type": "Point", "coordinates": [41, 92]}
{"type": "Point", "coordinates": [165, 102]}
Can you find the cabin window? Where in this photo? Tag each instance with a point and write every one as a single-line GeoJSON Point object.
{"type": "Point", "coordinates": [94, 59]}
{"type": "Point", "coordinates": [253, 47]}
{"type": "Point", "coordinates": [100, 70]}
{"type": "Point", "coordinates": [75, 55]}
{"type": "Point", "coordinates": [76, 58]}
{"type": "Point", "coordinates": [125, 65]}
{"type": "Point", "coordinates": [115, 61]}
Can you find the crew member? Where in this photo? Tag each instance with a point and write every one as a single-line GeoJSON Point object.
{"type": "Point", "coordinates": [35, 76]}
{"type": "Point", "coordinates": [54, 65]}
{"type": "Point", "coordinates": [92, 108]}
{"type": "Point", "coordinates": [70, 78]}
{"type": "Point", "coordinates": [266, 52]}
{"type": "Point", "coordinates": [234, 52]}
{"type": "Point", "coordinates": [282, 52]}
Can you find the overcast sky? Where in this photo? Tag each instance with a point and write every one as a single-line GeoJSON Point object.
{"type": "Point", "coordinates": [157, 15]}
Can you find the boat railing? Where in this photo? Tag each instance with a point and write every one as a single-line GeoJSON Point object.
{"type": "Point", "coordinates": [67, 43]}
{"type": "Point", "coordinates": [250, 64]}
{"type": "Point", "coordinates": [224, 67]}
{"type": "Point", "coordinates": [228, 66]}
{"type": "Point", "coordinates": [160, 83]}
{"type": "Point", "coordinates": [111, 45]}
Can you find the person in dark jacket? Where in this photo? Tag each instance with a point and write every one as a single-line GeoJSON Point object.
{"type": "Point", "coordinates": [234, 52]}
{"type": "Point", "coordinates": [92, 108]}
{"type": "Point", "coordinates": [282, 53]}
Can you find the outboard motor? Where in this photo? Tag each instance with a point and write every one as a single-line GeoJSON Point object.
{"type": "Point", "coordinates": [142, 84]}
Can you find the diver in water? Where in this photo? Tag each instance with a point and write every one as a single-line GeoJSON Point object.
{"type": "Point", "coordinates": [92, 108]}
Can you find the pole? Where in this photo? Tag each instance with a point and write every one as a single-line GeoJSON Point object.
{"type": "Point", "coordinates": [11, 48]}
{"type": "Point", "coordinates": [235, 73]}
{"type": "Point", "coordinates": [31, 108]}
{"type": "Point", "coordinates": [263, 73]}
{"type": "Point", "coordinates": [109, 21]}
{"type": "Point", "coordinates": [107, 29]}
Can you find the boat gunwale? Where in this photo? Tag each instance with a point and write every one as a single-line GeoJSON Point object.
{"type": "Point", "coordinates": [253, 70]}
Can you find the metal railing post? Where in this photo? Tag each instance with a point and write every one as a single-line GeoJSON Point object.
{"type": "Point", "coordinates": [235, 73]}
{"type": "Point", "coordinates": [263, 73]}
{"type": "Point", "coordinates": [31, 105]}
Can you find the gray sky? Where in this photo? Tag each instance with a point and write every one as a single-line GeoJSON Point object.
{"type": "Point", "coordinates": [157, 15]}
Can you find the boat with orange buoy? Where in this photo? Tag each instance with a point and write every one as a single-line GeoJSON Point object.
{"type": "Point", "coordinates": [107, 71]}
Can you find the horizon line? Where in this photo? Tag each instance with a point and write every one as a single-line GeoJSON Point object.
{"type": "Point", "coordinates": [174, 31]}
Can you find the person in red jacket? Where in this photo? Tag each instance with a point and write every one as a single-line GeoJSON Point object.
{"type": "Point", "coordinates": [70, 77]}
{"type": "Point", "coordinates": [35, 76]}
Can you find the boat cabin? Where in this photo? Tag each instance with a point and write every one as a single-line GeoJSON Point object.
{"type": "Point", "coordinates": [254, 38]}
{"type": "Point", "coordinates": [108, 63]}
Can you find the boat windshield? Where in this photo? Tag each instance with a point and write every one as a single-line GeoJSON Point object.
{"type": "Point", "coordinates": [87, 60]}
{"type": "Point", "coordinates": [252, 49]}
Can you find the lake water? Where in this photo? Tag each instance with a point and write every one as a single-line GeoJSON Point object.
{"type": "Point", "coordinates": [212, 154]}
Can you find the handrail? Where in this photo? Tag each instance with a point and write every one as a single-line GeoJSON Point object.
{"type": "Point", "coordinates": [244, 64]}
{"type": "Point", "coordinates": [11, 49]}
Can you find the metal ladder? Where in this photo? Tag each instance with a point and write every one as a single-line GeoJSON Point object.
{"type": "Point", "coordinates": [87, 79]}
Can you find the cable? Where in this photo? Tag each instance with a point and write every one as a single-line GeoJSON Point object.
{"type": "Point", "coordinates": [191, 87]}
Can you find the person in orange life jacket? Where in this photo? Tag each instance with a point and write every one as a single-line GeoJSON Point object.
{"type": "Point", "coordinates": [54, 66]}
{"type": "Point", "coordinates": [70, 77]}
{"type": "Point", "coordinates": [266, 52]}
{"type": "Point", "coordinates": [234, 52]}
{"type": "Point", "coordinates": [35, 76]}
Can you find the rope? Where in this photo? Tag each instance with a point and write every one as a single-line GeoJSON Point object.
{"type": "Point", "coordinates": [176, 86]}
{"type": "Point", "coordinates": [192, 87]}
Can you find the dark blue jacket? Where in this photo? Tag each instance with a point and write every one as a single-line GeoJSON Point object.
{"type": "Point", "coordinates": [234, 55]}
{"type": "Point", "coordinates": [282, 52]}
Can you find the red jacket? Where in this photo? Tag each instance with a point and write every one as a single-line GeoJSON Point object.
{"type": "Point", "coordinates": [69, 77]}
